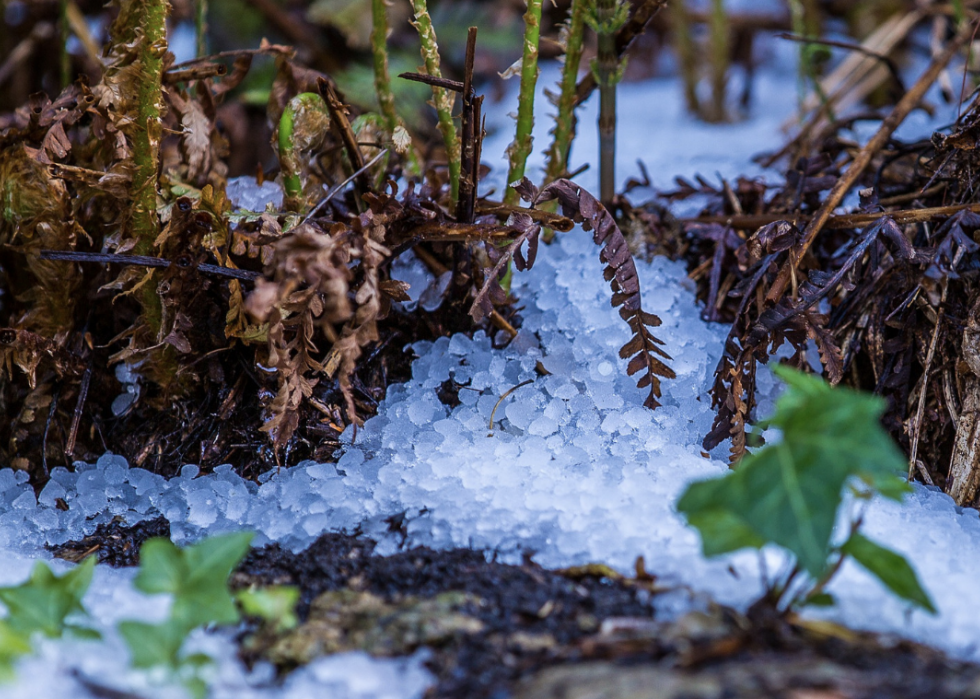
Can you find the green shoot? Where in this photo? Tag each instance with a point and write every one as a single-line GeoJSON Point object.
{"type": "Point", "coordinates": [718, 58]}
{"type": "Point", "coordinates": [197, 578]}
{"type": "Point", "coordinates": [520, 148]}
{"type": "Point", "coordinates": [564, 130]}
{"type": "Point", "coordinates": [686, 54]}
{"type": "Point", "coordinates": [379, 52]}
{"type": "Point", "coordinates": [788, 493]}
{"type": "Point", "coordinates": [805, 21]}
{"type": "Point", "coordinates": [274, 605]}
{"type": "Point", "coordinates": [301, 126]}
{"type": "Point", "coordinates": [442, 99]}
{"type": "Point", "coordinates": [43, 604]}
{"type": "Point", "coordinates": [401, 140]}
{"type": "Point", "coordinates": [606, 18]}
{"type": "Point", "coordinates": [201, 27]}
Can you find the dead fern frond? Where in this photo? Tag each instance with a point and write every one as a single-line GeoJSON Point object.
{"type": "Point", "coordinates": [306, 287]}
{"type": "Point", "coordinates": [643, 349]}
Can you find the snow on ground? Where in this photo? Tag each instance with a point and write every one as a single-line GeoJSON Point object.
{"type": "Point", "coordinates": [574, 468]}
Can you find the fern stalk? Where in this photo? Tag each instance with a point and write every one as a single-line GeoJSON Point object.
{"type": "Point", "coordinates": [201, 26]}
{"type": "Point", "coordinates": [608, 17]}
{"type": "Point", "coordinates": [143, 23]}
{"type": "Point", "coordinates": [442, 99]}
{"type": "Point", "coordinates": [146, 23]}
{"type": "Point", "coordinates": [379, 50]}
{"type": "Point", "coordinates": [718, 56]}
{"type": "Point", "coordinates": [564, 130]}
{"type": "Point", "coordinates": [382, 81]}
{"type": "Point", "coordinates": [686, 56]}
{"type": "Point", "coordinates": [523, 142]}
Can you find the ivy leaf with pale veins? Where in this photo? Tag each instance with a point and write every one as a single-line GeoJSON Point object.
{"type": "Point", "coordinates": [890, 568]}
{"type": "Point", "coordinates": [788, 492]}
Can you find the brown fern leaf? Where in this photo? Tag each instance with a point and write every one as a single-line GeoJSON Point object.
{"type": "Point", "coordinates": [643, 349]}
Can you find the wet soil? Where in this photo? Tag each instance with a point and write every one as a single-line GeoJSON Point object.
{"type": "Point", "coordinates": [115, 544]}
{"type": "Point", "coordinates": [497, 630]}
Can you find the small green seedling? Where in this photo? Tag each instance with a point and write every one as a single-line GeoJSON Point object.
{"type": "Point", "coordinates": [274, 605]}
{"type": "Point", "coordinates": [197, 577]}
{"type": "Point", "coordinates": [788, 493]}
{"type": "Point", "coordinates": [301, 129]}
{"type": "Point", "coordinates": [43, 604]}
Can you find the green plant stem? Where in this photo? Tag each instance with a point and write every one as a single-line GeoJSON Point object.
{"type": "Point", "coordinates": [382, 81]}
{"type": "Point", "coordinates": [523, 142]}
{"type": "Point", "coordinates": [607, 72]}
{"type": "Point", "coordinates": [718, 56]}
{"type": "Point", "coordinates": [564, 130]}
{"type": "Point", "coordinates": [442, 99]}
{"type": "Point", "coordinates": [144, 22]}
{"type": "Point", "coordinates": [686, 56]}
{"type": "Point", "coordinates": [201, 26]}
{"type": "Point", "coordinates": [379, 51]}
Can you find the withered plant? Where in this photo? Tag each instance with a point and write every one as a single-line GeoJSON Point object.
{"type": "Point", "coordinates": [144, 315]}
{"type": "Point", "coordinates": [885, 296]}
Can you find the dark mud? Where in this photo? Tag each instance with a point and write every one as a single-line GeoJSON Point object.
{"type": "Point", "coordinates": [115, 544]}
{"type": "Point", "coordinates": [576, 633]}
{"type": "Point", "coordinates": [497, 630]}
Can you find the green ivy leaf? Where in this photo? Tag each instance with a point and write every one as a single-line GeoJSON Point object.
{"type": "Point", "coordinates": [212, 560]}
{"type": "Point", "coordinates": [162, 568]}
{"type": "Point", "coordinates": [42, 603]}
{"type": "Point", "coordinates": [13, 644]}
{"type": "Point", "coordinates": [821, 599]}
{"type": "Point", "coordinates": [151, 645]}
{"type": "Point", "coordinates": [275, 605]}
{"type": "Point", "coordinates": [196, 576]}
{"type": "Point", "coordinates": [890, 568]}
{"type": "Point", "coordinates": [788, 493]}
{"type": "Point", "coordinates": [203, 597]}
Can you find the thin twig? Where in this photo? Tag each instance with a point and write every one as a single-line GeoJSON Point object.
{"type": "Point", "coordinates": [849, 46]}
{"type": "Point", "coordinates": [338, 116]}
{"type": "Point", "coordinates": [469, 167]}
{"type": "Point", "coordinates": [332, 193]}
{"type": "Point", "coordinates": [47, 428]}
{"type": "Point", "coordinates": [434, 81]}
{"type": "Point", "coordinates": [143, 261]}
{"type": "Point", "coordinates": [76, 417]}
{"type": "Point", "coordinates": [545, 218]}
{"type": "Point", "coordinates": [844, 221]}
{"type": "Point", "coordinates": [924, 389]}
{"type": "Point", "coordinates": [505, 394]}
